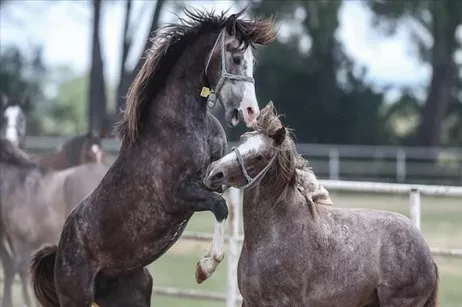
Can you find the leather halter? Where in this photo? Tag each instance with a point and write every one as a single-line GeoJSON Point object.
{"type": "Point", "coordinates": [213, 93]}
{"type": "Point", "coordinates": [252, 182]}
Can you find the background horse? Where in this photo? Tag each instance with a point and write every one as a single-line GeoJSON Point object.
{"type": "Point", "coordinates": [78, 150]}
{"type": "Point", "coordinates": [144, 202]}
{"type": "Point", "coordinates": [298, 253]}
{"type": "Point", "coordinates": [13, 121]}
{"type": "Point", "coordinates": [35, 202]}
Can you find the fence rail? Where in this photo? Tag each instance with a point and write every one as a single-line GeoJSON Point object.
{"type": "Point", "coordinates": [346, 162]}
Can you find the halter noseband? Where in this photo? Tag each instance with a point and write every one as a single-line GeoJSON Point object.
{"type": "Point", "coordinates": [213, 93]}
{"type": "Point", "coordinates": [252, 182]}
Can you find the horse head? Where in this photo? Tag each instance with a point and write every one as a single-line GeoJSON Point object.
{"type": "Point", "coordinates": [14, 120]}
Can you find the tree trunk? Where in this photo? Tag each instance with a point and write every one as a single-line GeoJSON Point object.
{"type": "Point", "coordinates": [128, 76]}
{"type": "Point", "coordinates": [97, 93]}
{"type": "Point", "coordinates": [436, 104]}
{"type": "Point", "coordinates": [443, 76]}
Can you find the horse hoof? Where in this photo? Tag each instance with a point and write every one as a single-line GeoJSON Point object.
{"type": "Point", "coordinates": [200, 274]}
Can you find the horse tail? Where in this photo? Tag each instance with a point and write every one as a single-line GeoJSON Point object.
{"type": "Point", "coordinates": [433, 301]}
{"type": "Point", "coordinates": [42, 274]}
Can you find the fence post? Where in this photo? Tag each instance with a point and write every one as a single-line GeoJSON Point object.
{"type": "Point", "coordinates": [414, 196]}
{"type": "Point", "coordinates": [400, 165]}
{"type": "Point", "coordinates": [235, 196]}
{"type": "Point", "coordinates": [334, 164]}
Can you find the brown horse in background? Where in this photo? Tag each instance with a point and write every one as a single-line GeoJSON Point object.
{"type": "Point", "coordinates": [299, 253]}
{"type": "Point", "coordinates": [35, 202]}
{"type": "Point", "coordinates": [78, 150]}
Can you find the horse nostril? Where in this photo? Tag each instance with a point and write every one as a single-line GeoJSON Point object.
{"type": "Point", "coordinates": [218, 176]}
{"type": "Point", "coordinates": [250, 111]}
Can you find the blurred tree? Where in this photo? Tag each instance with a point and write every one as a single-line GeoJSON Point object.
{"type": "Point", "coordinates": [66, 115]}
{"type": "Point", "coordinates": [308, 76]}
{"type": "Point", "coordinates": [97, 89]}
{"type": "Point", "coordinates": [128, 75]}
{"type": "Point", "coordinates": [438, 20]}
{"type": "Point", "coordinates": [22, 78]}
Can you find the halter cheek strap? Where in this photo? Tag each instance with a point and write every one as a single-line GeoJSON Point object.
{"type": "Point", "coordinates": [212, 94]}
{"type": "Point", "coordinates": [252, 182]}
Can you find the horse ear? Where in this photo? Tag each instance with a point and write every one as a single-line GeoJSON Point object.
{"type": "Point", "coordinates": [279, 136]}
{"type": "Point", "coordinates": [103, 133]}
{"type": "Point", "coordinates": [3, 100]}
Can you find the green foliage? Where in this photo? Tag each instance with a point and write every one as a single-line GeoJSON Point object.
{"type": "Point", "coordinates": [22, 78]}
{"type": "Point", "coordinates": [67, 114]}
{"type": "Point", "coordinates": [305, 86]}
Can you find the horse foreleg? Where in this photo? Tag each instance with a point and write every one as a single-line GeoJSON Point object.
{"type": "Point", "coordinates": [8, 272]}
{"type": "Point", "coordinates": [208, 264]}
{"type": "Point", "coordinates": [24, 284]}
{"type": "Point", "coordinates": [200, 198]}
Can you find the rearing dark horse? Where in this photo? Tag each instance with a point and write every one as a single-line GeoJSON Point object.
{"type": "Point", "coordinates": [147, 197]}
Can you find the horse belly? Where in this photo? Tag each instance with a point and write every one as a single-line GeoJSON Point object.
{"type": "Point", "coordinates": [137, 242]}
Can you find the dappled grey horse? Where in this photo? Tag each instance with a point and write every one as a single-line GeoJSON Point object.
{"type": "Point", "coordinates": [299, 253]}
{"type": "Point", "coordinates": [35, 202]}
{"type": "Point", "coordinates": [144, 202]}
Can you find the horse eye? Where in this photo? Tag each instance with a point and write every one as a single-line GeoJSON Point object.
{"type": "Point", "coordinates": [237, 60]}
{"type": "Point", "coordinates": [259, 157]}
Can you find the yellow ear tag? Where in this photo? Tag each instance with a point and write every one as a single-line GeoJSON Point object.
{"type": "Point", "coordinates": [205, 92]}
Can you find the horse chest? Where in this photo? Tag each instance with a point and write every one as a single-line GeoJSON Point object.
{"type": "Point", "coordinates": [264, 280]}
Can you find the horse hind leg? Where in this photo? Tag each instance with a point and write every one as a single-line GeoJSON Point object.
{"type": "Point", "coordinates": [132, 289]}
{"type": "Point", "coordinates": [8, 272]}
{"type": "Point", "coordinates": [7, 283]}
{"type": "Point", "coordinates": [74, 277]}
{"type": "Point", "coordinates": [433, 299]}
{"type": "Point", "coordinates": [423, 293]}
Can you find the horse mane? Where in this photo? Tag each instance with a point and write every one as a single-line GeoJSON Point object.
{"type": "Point", "coordinates": [168, 44]}
{"type": "Point", "coordinates": [288, 160]}
{"type": "Point", "coordinates": [10, 154]}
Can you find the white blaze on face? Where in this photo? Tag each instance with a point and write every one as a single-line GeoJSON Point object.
{"type": "Point", "coordinates": [12, 114]}
{"type": "Point", "coordinates": [249, 103]}
{"type": "Point", "coordinates": [97, 152]}
{"type": "Point", "coordinates": [251, 145]}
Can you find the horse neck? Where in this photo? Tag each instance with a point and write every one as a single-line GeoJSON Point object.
{"type": "Point", "coordinates": [179, 104]}
{"type": "Point", "coordinates": [265, 205]}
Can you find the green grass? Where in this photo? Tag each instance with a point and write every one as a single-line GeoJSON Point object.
{"type": "Point", "coordinates": [441, 225]}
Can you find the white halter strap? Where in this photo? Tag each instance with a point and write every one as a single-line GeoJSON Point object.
{"type": "Point", "coordinates": [252, 182]}
{"type": "Point", "coordinates": [212, 94]}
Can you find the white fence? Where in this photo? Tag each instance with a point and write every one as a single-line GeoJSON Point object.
{"type": "Point", "coordinates": [348, 162]}
{"type": "Point", "coordinates": [234, 198]}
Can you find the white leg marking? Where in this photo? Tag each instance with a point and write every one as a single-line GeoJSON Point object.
{"type": "Point", "coordinates": [208, 264]}
{"type": "Point", "coordinates": [252, 144]}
